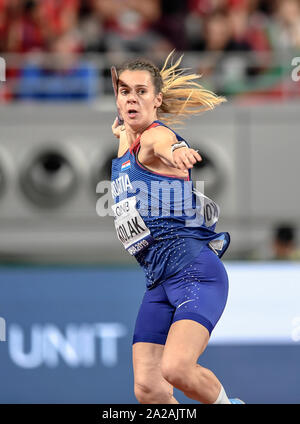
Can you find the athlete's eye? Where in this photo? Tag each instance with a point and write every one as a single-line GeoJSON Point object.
{"type": "Point", "coordinates": [123, 91]}
{"type": "Point", "coordinates": [141, 91]}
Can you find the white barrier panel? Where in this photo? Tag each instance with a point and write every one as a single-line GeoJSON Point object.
{"type": "Point", "coordinates": [263, 305]}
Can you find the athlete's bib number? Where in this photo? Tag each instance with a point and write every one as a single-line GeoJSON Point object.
{"type": "Point", "coordinates": [209, 209]}
{"type": "Point", "coordinates": [131, 229]}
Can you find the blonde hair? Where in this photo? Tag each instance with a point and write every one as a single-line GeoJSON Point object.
{"type": "Point", "coordinates": [183, 96]}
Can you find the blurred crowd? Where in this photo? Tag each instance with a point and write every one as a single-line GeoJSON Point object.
{"type": "Point", "coordinates": [283, 246]}
{"type": "Point", "coordinates": [216, 30]}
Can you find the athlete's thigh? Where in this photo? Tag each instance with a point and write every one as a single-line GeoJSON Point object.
{"type": "Point", "coordinates": [199, 294]}
{"type": "Point", "coordinates": [199, 291]}
{"type": "Point", "coordinates": [151, 331]}
{"type": "Point", "coordinates": [154, 317]}
{"type": "Point", "coordinates": [187, 339]}
{"type": "Point", "coordinates": [147, 365]}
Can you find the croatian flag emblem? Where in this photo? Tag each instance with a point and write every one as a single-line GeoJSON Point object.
{"type": "Point", "coordinates": [125, 165]}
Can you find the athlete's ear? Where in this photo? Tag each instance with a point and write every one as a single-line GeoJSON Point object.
{"type": "Point", "coordinates": [158, 100]}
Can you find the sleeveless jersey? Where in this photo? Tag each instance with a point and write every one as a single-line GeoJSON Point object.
{"type": "Point", "coordinates": [163, 220]}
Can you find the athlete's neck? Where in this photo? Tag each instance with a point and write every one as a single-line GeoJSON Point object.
{"type": "Point", "coordinates": [134, 134]}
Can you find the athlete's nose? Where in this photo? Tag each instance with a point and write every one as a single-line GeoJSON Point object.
{"type": "Point", "coordinates": [131, 98]}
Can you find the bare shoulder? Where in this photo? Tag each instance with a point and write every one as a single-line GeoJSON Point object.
{"type": "Point", "coordinates": [157, 134]}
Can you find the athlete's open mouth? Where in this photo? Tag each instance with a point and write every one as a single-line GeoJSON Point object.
{"type": "Point", "coordinates": [132, 111]}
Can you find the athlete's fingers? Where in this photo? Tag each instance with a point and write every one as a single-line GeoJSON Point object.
{"type": "Point", "coordinates": [196, 154]}
{"type": "Point", "coordinates": [178, 164]}
{"type": "Point", "coordinates": [116, 128]}
{"type": "Point", "coordinates": [186, 158]}
{"type": "Point", "coordinates": [179, 157]}
{"type": "Point", "coordinates": [187, 162]}
{"type": "Point", "coordinates": [191, 158]}
{"type": "Point", "coordinates": [181, 164]}
{"type": "Point", "coordinates": [115, 124]}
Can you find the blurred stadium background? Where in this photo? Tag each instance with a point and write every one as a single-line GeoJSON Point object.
{"type": "Point", "coordinates": [68, 293]}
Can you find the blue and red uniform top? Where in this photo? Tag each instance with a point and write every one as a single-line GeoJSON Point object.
{"type": "Point", "coordinates": [163, 220]}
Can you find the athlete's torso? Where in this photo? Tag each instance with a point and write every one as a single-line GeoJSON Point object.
{"type": "Point", "coordinates": [160, 219]}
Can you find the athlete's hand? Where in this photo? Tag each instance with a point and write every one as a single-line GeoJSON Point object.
{"type": "Point", "coordinates": [185, 158]}
{"type": "Point", "coordinates": [116, 128]}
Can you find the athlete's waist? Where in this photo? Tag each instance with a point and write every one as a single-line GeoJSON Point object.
{"type": "Point", "coordinates": [163, 229]}
{"type": "Point", "coordinates": [164, 257]}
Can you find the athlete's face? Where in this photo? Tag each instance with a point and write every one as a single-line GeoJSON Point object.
{"type": "Point", "coordinates": [137, 99]}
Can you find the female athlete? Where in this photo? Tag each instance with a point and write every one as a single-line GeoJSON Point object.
{"type": "Point", "coordinates": [154, 203]}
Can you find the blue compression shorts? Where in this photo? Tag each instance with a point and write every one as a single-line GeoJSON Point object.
{"type": "Point", "coordinates": [198, 292]}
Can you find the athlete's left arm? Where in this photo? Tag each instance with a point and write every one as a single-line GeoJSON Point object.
{"type": "Point", "coordinates": [159, 141]}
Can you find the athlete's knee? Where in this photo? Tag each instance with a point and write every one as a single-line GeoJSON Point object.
{"type": "Point", "coordinates": [147, 393]}
{"type": "Point", "coordinates": [187, 377]}
{"type": "Point", "coordinates": [177, 373]}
